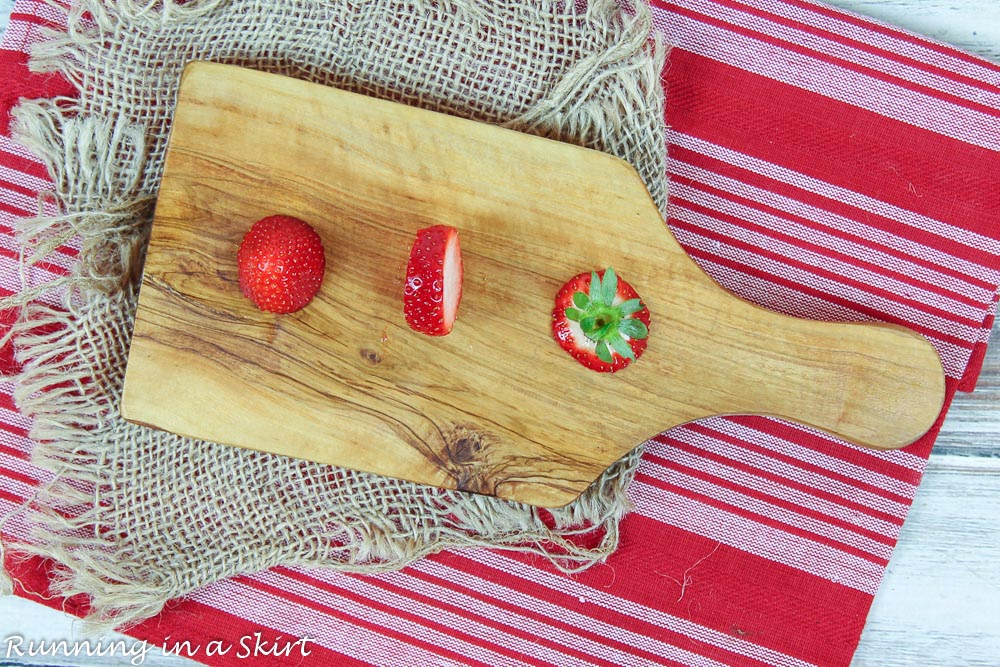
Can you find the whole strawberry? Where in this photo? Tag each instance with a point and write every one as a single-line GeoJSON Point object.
{"type": "Point", "coordinates": [600, 320]}
{"type": "Point", "coordinates": [281, 264]}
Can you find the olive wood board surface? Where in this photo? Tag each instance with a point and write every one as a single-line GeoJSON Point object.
{"type": "Point", "coordinates": [496, 406]}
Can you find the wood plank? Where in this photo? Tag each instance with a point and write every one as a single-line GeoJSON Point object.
{"type": "Point", "coordinates": [972, 25]}
{"type": "Point", "coordinates": [496, 407]}
{"type": "Point", "coordinates": [972, 427]}
{"type": "Point", "coordinates": [939, 602]}
{"type": "Point", "coordinates": [5, 7]}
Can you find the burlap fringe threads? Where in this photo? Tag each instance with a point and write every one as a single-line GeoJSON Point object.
{"type": "Point", "coordinates": [134, 518]}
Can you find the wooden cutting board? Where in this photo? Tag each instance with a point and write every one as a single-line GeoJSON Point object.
{"type": "Point", "coordinates": [496, 407]}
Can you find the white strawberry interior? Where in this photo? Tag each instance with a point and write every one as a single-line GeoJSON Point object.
{"type": "Point", "coordinates": [579, 338]}
{"type": "Point", "coordinates": [452, 276]}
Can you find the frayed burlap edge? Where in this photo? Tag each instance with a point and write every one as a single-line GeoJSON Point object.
{"type": "Point", "coordinates": [53, 387]}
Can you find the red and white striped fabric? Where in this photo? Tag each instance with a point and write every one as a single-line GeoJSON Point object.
{"type": "Point", "coordinates": [822, 165]}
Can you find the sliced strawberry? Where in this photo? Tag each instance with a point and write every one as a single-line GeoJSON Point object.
{"type": "Point", "coordinates": [433, 286]}
{"type": "Point", "coordinates": [281, 264]}
{"type": "Point", "coordinates": [600, 320]}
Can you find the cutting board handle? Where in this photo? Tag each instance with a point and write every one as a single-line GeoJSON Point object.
{"type": "Point", "coordinates": [873, 384]}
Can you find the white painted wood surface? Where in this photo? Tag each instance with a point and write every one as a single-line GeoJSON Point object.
{"type": "Point", "coordinates": [939, 603]}
{"type": "Point", "coordinates": [5, 6]}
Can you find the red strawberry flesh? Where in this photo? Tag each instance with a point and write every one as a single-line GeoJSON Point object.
{"type": "Point", "coordinates": [600, 321]}
{"type": "Point", "coordinates": [433, 287]}
{"type": "Point", "coordinates": [281, 264]}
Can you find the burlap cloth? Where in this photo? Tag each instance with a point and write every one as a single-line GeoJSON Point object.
{"type": "Point", "coordinates": [134, 517]}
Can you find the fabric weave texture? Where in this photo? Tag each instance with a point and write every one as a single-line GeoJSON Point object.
{"type": "Point", "coordinates": [135, 516]}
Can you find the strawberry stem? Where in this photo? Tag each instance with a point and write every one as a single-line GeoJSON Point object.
{"type": "Point", "coordinates": [608, 324]}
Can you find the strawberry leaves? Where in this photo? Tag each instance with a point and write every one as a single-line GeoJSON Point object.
{"type": "Point", "coordinates": [631, 306]}
{"type": "Point", "coordinates": [607, 287]}
{"type": "Point", "coordinates": [633, 328]}
{"type": "Point", "coordinates": [604, 322]}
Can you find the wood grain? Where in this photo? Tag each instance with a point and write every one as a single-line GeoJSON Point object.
{"type": "Point", "coordinates": [938, 603]}
{"type": "Point", "coordinates": [496, 407]}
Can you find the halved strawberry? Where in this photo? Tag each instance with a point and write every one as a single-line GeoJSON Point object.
{"type": "Point", "coordinates": [600, 320]}
{"type": "Point", "coordinates": [433, 286]}
{"type": "Point", "coordinates": [281, 264]}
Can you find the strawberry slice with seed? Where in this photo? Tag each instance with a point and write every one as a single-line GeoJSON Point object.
{"type": "Point", "coordinates": [600, 321]}
{"type": "Point", "coordinates": [433, 286]}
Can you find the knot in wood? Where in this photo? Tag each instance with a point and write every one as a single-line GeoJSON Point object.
{"type": "Point", "coordinates": [467, 450]}
{"type": "Point", "coordinates": [371, 356]}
